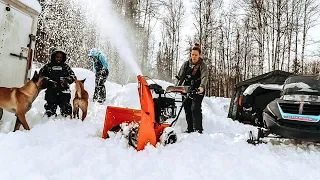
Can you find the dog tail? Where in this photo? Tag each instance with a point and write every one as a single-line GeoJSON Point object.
{"type": "Point", "coordinates": [77, 86]}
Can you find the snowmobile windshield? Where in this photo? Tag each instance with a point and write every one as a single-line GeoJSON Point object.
{"type": "Point", "coordinates": [302, 85]}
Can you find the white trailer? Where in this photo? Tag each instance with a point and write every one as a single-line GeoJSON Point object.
{"type": "Point", "coordinates": [18, 27]}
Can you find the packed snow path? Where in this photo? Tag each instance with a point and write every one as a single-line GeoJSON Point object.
{"type": "Point", "coordinates": [56, 149]}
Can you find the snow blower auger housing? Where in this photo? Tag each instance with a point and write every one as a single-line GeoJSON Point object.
{"type": "Point", "coordinates": [147, 125]}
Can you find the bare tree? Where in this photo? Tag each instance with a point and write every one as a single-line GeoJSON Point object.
{"type": "Point", "coordinates": [311, 8]}
{"type": "Point", "coordinates": [172, 22]}
{"type": "Point", "coordinates": [62, 24]}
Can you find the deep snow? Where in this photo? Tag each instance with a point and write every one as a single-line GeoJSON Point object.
{"type": "Point", "coordinates": [56, 149]}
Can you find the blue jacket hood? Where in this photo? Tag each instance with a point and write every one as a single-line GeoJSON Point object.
{"type": "Point", "coordinates": [101, 57]}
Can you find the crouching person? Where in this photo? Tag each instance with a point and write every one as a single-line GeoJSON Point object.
{"type": "Point", "coordinates": [58, 77]}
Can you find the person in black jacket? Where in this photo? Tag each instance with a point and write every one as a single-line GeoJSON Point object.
{"type": "Point", "coordinates": [194, 73]}
{"type": "Point", "coordinates": [58, 77]}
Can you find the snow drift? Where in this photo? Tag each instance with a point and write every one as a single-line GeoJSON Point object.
{"type": "Point", "coordinates": [60, 148]}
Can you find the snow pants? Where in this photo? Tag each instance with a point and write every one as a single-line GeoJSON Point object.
{"type": "Point", "coordinates": [57, 98]}
{"type": "Point", "coordinates": [193, 111]}
{"type": "Point", "coordinates": [100, 89]}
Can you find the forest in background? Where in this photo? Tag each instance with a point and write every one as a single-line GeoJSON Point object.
{"type": "Point", "coordinates": [239, 40]}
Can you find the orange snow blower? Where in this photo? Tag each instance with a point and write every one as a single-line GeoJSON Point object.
{"type": "Point", "coordinates": [148, 124]}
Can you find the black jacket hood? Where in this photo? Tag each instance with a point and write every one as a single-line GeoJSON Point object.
{"type": "Point", "coordinates": [55, 51]}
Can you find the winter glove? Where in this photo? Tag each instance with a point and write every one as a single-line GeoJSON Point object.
{"type": "Point", "coordinates": [49, 83]}
{"type": "Point", "coordinates": [64, 82]}
{"type": "Point", "coordinates": [68, 80]}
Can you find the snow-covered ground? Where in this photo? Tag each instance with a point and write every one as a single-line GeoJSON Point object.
{"type": "Point", "coordinates": [56, 149]}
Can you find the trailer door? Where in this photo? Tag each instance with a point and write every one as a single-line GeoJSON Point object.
{"type": "Point", "coordinates": [15, 27]}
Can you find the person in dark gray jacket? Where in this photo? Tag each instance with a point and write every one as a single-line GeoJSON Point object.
{"type": "Point", "coordinates": [194, 73]}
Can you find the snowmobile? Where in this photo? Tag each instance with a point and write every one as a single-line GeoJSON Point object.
{"type": "Point", "coordinates": [148, 125]}
{"type": "Point", "coordinates": [295, 115]}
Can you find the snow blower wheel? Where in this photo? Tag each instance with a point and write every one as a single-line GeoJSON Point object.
{"type": "Point", "coordinates": [171, 139]}
{"type": "Point", "coordinates": [168, 136]}
{"type": "Point", "coordinates": [133, 137]}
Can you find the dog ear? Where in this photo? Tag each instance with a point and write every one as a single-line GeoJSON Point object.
{"type": "Point", "coordinates": [83, 80]}
{"type": "Point", "coordinates": [35, 76]}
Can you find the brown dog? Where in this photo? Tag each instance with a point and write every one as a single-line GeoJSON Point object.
{"type": "Point", "coordinates": [19, 100]}
{"type": "Point", "coordinates": [80, 99]}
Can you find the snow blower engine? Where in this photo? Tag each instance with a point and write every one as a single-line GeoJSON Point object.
{"type": "Point", "coordinates": [147, 125]}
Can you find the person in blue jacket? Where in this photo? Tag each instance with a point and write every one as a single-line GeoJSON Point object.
{"type": "Point", "coordinates": [100, 67]}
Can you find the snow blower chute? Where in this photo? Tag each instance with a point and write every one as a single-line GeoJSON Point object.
{"type": "Point", "coordinates": [148, 125]}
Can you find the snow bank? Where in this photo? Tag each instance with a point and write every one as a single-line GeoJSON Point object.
{"type": "Point", "coordinates": [33, 4]}
{"type": "Point", "coordinates": [59, 148]}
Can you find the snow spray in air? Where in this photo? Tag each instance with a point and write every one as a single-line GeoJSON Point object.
{"type": "Point", "coordinates": [111, 28]}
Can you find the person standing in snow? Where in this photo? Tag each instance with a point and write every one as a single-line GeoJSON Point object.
{"type": "Point", "coordinates": [194, 73]}
{"type": "Point", "coordinates": [58, 77]}
{"type": "Point", "coordinates": [100, 67]}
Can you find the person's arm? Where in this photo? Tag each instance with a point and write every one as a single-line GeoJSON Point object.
{"type": "Point", "coordinates": [71, 76]}
{"type": "Point", "coordinates": [47, 82]}
{"type": "Point", "coordinates": [103, 61]}
{"type": "Point", "coordinates": [181, 75]}
{"type": "Point", "coordinates": [93, 65]}
{"type": "Point", "coordinates": [204, 75]}
{"type": "Point", "coordinates": [44, 71]}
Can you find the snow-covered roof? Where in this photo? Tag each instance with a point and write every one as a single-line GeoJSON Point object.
{"type": "Point", "coordinates": [253, 87]}
{"type": "Point", "coordinates": [300, 98]}
{"type": "Point", "coordinates": [33, 4]}
{"type": "Point", "coordinates": [302, 86]}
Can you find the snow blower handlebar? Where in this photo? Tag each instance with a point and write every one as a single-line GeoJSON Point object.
{"type": "Point", "coordinates": [185, 91]}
